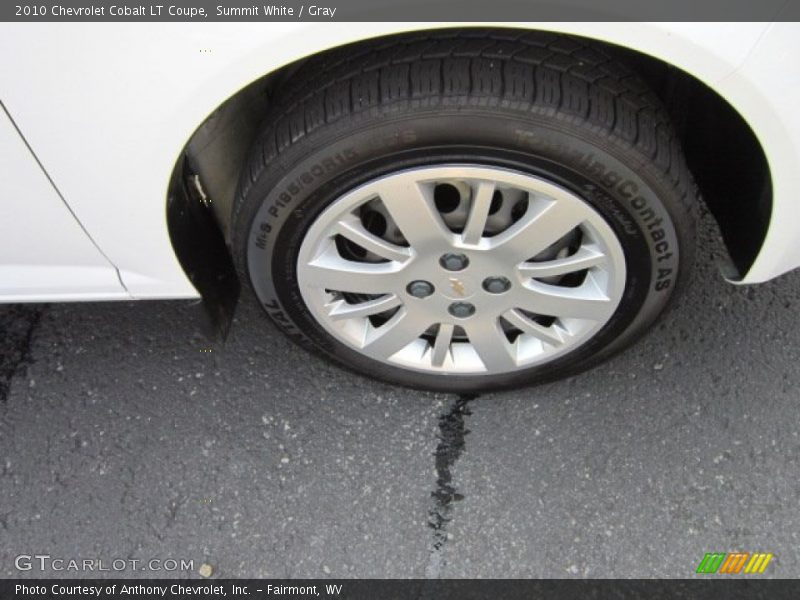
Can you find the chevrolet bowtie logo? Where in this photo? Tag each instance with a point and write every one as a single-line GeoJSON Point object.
{"type": "Point", "coordinates": [458, 286]}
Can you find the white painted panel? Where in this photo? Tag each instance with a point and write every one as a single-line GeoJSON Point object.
{"type": "Point", "coordinates": [44, 253]}
{"type": "Point", "coordinates": [111, 106]}
{"type": "Point", "coordinates": [768, 86]}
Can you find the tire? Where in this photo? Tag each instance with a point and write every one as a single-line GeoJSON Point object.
{"type": "Point", "coordinates": [548, 111]}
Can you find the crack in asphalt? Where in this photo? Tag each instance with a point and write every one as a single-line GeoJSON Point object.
{"type": "Point", "coordinates": [17, 326]}
{"type": "Point", "coordinates": [452, 433]}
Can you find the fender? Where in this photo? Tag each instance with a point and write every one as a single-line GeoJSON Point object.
{"type": "Point", "coordinates": [111, 132]}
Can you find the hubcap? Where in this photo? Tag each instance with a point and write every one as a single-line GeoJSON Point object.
{"type": "Point", "coordinates": [461, 269]}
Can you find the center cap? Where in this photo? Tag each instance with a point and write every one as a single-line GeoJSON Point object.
{"type": "Point", "coordinates": [457, 287]}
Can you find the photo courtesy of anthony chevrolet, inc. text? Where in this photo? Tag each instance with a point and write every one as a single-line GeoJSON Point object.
{"type": "Point", "coordinates": [383, 300]}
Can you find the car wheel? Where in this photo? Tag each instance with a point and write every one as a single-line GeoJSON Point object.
{"type": "Point", "coordinates": [465, 213]}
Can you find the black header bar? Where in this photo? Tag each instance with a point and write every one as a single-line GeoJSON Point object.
{"type": "Point", "coordinates": [456, 11]}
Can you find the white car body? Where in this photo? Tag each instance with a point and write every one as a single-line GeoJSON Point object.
{"type": "Point", "coordinates": [107, 109]}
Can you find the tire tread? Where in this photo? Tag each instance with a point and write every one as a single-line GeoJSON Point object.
{"type": "Point", "coordinates": [550, 74]}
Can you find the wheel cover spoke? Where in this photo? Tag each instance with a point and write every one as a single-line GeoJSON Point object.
{"type": "Point", "coordinates": [551, 335]}
{"type": "Point", "coordinates": [411, 206]}
{"type": "Point", "coordinates": [585, 302]}
{"type": "Point", "coordinates": [391, 337]}
{"type": "Point", "coordinates": [491, 345]}
{"type": "Point", "coordinates": [419, 290]}
{"type": "Point", "coordinates": [441, 347]}
{"type": "Point", "coordinates": [479, 211]}
{"type": "Point", "coordinates": [585, 258]}
{"type": "Point", "coordinates": [353, 229]}
{"type": "Point", "coordinates": [341, 309]}
{"type": "Point", "coordinates": [332, 272]}
{"type": "Point", "coordinates": [544, 223]}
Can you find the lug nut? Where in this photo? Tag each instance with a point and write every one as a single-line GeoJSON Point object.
{"type": "Point", "coordinates": [420, 288]}
{"type": "Point", "coordinates": [496, 285]}
{"type": "Point", "coordinates": [461, 310]}
{"type": "Point", "coordinates": [454, 262]}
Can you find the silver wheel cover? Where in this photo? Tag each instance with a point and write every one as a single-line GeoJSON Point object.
{"type": "Point", "coordinates": [555, 268]}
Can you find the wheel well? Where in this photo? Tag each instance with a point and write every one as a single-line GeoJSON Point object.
{"type": "Point", "coordinates": [722, 152]}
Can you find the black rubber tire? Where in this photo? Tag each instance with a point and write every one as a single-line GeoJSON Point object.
{"type": "Point", "coordinates": [551, 105]}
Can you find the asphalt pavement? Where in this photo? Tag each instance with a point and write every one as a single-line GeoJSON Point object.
{"type": "Point", "coordinates": [125, 435]}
